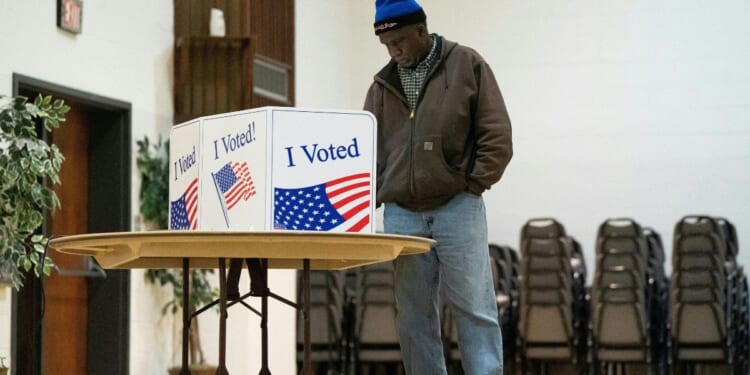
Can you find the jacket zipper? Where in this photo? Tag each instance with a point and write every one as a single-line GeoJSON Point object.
{"type": "Point", "coordinates": [412, 152]}
{"type": "Point", "coordinates": [413, 123]}
{"type": "Point", "coordinates": [412, 115]}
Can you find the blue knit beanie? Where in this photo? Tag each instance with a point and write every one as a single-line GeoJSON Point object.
{"type": "Point", "coordinates": [395, 14]}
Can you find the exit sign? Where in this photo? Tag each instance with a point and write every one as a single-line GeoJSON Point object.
{"type": "Point", "coordinates": [69, 15]}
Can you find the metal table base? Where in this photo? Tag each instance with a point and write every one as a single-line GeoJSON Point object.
{"type": "Point", "coordinates": [224, 304]}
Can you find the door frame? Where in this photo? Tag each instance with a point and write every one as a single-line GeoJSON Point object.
{"type": "Point", "coordinates": [108, 324]}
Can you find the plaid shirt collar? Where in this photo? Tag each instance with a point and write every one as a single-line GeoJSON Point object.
{"type": "Point", "coordinates": [412, 79]}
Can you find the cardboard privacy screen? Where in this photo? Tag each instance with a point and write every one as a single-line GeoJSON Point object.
{"type": "Point", "coordinates": [274, 168]}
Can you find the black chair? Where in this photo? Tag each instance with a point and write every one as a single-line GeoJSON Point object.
{"type": "Point", "coordinates": [551, 319]}
{"type": "Point", "coordinates": [705, 295]}
{"type": "Point", "coordinates": [621, 325]}
{"type": "Point", "coordinates": [376, 342]}
{"type": "Point", "coordinates": [326, 310]}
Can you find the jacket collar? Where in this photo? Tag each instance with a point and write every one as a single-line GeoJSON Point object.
{"type": "Point", "coordinates": [389, 73]}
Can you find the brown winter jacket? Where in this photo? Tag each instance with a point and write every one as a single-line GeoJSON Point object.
{"type": "Point", "coordinates": [457, 139]}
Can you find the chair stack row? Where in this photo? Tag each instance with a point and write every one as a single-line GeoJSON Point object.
{"type": "Point", "coordinates": [708, 296]}
{"type": "Point", "coordinates": [634, 318]}
{"type": "Point", "coordinates": [657, 296]}
{"type": "Point", "coordinates": [327, 316]}
{"type": "Point", "coordinates": [375, 337]}
{"type": "Point", "coordinates": [354, 321]}
{"type": "Point", "coordinates": [628, 299]}
{"type": "Point", "coordinates": [552, 309]}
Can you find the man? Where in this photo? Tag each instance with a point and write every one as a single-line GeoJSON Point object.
{"type": "Point", "coordinates": [444, 137]}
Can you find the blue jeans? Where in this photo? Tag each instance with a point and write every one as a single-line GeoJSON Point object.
{"type": "Point", "coordinates": [459, 264]}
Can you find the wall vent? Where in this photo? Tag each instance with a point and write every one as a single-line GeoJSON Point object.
{"type": "Point", "coordinates": [271, 80]}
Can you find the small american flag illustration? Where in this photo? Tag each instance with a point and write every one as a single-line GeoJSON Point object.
{"type": "Point", "coordinates": [235, 183]}
{"type": "Point", "coordinates": [183, 211]}
{"type": "Point", "coordinates": [341, 204]}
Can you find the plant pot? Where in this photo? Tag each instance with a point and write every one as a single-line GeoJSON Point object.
{"type": "Point", "coordinates": [149, 225]}
{"type": "Point", "coordinates": [4, 371]}
{"type": "Point", "coordinates": [194, 370]}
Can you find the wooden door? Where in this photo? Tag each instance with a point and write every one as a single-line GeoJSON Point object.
{"type": "Point", "coordinates": [85, 326]}
{"type": "Point", "coordinates": [66, 305]}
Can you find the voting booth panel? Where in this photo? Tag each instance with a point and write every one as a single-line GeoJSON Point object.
{"type": "Point", "coordinates": [274, 168]}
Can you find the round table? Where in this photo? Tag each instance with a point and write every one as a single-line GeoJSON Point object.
{"type": "Point", "coordinates": [210, 249]}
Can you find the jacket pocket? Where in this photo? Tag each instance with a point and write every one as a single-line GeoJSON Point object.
{"type": "Point", "coordinates": [433, 177]}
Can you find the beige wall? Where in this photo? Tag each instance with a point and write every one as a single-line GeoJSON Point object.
{"type": "Point", "coordinates": [124, 53]}
{"type": "Point", "coordinates": [619, 108]}
{"type": "Point", "coordinates": [625, 108]}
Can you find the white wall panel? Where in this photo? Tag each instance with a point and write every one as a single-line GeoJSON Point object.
{"type": "Point", "coordinates": [624, 108]}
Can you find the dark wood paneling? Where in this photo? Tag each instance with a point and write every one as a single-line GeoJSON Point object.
{"type": "Point", "coordinates": [197, 20]}
{"type": "Point", "coordinates": [273, 22]}
{"type": "Point", "coordinates": [212, 76]}
{"type": "Point", "coordinates": [234, 15]}
{"type": "Point", "coordinates": [215, 77]}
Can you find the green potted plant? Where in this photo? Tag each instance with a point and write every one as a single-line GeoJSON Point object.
{"type": "Point", "coordinates": [3, 369]}
{"type": "Point", "coordinates": [153, 164]}
{"type": "Point", "coordinates": [29, 165]}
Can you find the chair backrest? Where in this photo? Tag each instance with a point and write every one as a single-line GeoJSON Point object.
{"type": "Point", "coordinates": [730, 235]}
{"type": "Point", "coordinates": [700, 226]}
{"type": "Point", "coordinates": [375, 333]}
{"type": "Point", "coordinates": [326, 310]}
{"type": "Point", "coordinates": [546, 323]}
{"type": "Point", "coordinates": [504, 262]}
{"type": "Point", "coordinates": [702, 287]}
{"type": "Point", "coordinates": [542, 228]}
{"type": "Point", "coordinates": [620, 317]}
{"type": "Point", "coordinates": [577, 261]}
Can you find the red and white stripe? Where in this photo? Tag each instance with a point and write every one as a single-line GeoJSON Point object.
{"type": "Point", "coordinates": [243, 188]}
{"type": "Point", "coordinates": [191, 203]}
{"type": "Point", "coordinates": [350, 196]}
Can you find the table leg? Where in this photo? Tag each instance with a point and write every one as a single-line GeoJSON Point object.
{"type": "Point", "coordinates": [264, 370]}
{"type": "Point", "coordinates": [222, 369]}
{"type": "Point", "coordinates": [306, 366]}
{"type": "Point", "coordinates": [184, 370]}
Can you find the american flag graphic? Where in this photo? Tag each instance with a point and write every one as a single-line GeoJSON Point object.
{"type": "Point", "coordinates": [183, 211]}
{"type": "Point", "coordinates": [341, 204]}
{"type": "Point", "coordinates": [234, 182]}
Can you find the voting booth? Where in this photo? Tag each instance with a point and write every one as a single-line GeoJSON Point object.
{"type": "Point", "coordinates": [274, 168]}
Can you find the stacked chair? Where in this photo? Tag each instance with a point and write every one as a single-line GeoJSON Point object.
{"type": "Point", "coordinates": [376, 344]}
{"type": "Point", "coordinates": [739, 308]}
{"type": "Point", "coordinates": [708, 296]}
{"type": "Point", "coordinates": [581, 305]}
{"type": "Point", "coordinates": [743, 324]}
{"type": "Point", "coordinates": [633, 320]}
{"type": "Point", "coordinates": [628, 301]}
{"type": "Point", "coordinates": [657, 299]}
{"type": "Point", "coordinates": [552, 308]}
{"type": "Point", "coordinates": [326, 309]}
